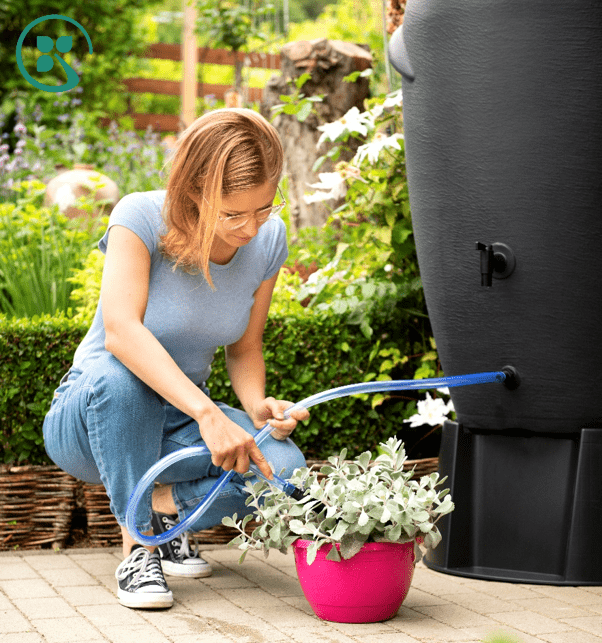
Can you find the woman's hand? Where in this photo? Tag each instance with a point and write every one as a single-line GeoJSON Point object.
{"type": "Point", "coordinates": [272, 411]}
{"type": "Point", "coordinates": [230, 445]}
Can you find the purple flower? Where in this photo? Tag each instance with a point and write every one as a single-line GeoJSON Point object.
{"type": "Point", "coordinates": [75, 102]}
{"type": "Point", "coordinates": [20, 129]}
{"type": "Point", "coordinates": [63, 118]}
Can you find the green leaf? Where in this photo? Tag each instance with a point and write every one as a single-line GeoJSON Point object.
{"type": "Point", "coordinates": [304, 111]}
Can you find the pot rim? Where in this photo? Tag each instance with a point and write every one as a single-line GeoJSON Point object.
{"type": "Point", "coordinates": [302, 543]}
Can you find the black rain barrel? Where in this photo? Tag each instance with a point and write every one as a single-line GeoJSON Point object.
{"type": "Point", "coordinates": [502, 105]}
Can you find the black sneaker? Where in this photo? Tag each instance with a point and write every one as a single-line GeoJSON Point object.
{"type": "Point", "coordinates": [177, 558]}
{"type": "Point", "coordinates": [141, 581]}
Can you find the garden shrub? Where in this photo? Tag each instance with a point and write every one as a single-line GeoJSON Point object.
{"type": "Point", "coordinates": [34, 354]}
{"type": "Point", "coordinates": [306, 353]}
{"type": "Point", "coordinates": [39, 249]}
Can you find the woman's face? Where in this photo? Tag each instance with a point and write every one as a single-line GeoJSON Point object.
{"type": "Point", "coordinates": [250, 206]}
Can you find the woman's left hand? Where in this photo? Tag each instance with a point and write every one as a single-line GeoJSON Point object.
{"type": "Point", "coordinates": [272, 410]}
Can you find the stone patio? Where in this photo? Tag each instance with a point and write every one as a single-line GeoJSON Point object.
{"type": "Point", "coordinates": [69, 596]}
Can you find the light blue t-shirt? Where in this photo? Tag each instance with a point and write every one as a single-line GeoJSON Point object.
{"type": "Point", "coordinates": [189, 319]}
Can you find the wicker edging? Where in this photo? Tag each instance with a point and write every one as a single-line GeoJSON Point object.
{"type": "Point", "coordinates": [37, 505]}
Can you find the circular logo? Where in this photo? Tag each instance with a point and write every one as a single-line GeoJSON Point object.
{"type": "Point", "coordinates": [46, 62]}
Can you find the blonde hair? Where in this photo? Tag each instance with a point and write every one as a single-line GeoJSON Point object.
{"type": "Point", "coordinates": [224, 152]}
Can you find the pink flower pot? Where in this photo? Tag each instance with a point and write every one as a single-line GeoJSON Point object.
{"type": "Point", "coordinates": [369, 587]}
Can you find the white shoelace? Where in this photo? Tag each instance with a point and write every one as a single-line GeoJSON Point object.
{"type": "Point", "coordinates": [148, 568]}
{"type": "Point", "coordinates": [184, 549]}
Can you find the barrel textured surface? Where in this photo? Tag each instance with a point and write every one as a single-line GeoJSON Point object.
{"type": "Point", "coordinates": [502, 104]}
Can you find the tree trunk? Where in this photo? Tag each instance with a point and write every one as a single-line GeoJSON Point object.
{"type": "Point", "coordinates": [328, 62]}
{"type": "Point", "coordinates": [395, 13]}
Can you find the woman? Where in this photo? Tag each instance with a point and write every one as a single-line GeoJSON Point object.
{"type": "Point", "coordinates": [187, 269]}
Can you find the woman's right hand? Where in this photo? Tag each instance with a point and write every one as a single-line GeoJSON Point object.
{"type": "Point", "coordinates": [230, 445]}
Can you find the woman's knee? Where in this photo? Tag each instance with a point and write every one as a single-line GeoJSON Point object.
{"type": "Point", "coordinates": [284, 456]}
{"type": "Point", "coordinates": [115, 385]}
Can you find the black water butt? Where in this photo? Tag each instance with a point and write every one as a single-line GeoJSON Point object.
{"type": "Point", "coordinates": [502, 105]}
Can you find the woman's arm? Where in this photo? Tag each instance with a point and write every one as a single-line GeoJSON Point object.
{"type": "Point", "coordinates": [124, 295]}
{"type": "Point", "coordinates": [246, 368]}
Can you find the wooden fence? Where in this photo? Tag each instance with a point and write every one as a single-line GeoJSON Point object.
{"type": "Point", "coordinates": [172, 122]}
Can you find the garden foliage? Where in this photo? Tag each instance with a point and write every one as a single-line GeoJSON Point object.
{"type": "Point", "coordinates": [367, 500]}
{"type": "Point", "coordinates": [39, 249]}
{"type": "Point", "coordinates": [305, 354]}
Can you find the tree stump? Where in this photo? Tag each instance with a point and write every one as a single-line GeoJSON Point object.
{"type": "Point", "coordinates": [395, 13]}
{"type": "Point", "coordinates": [328, 62]}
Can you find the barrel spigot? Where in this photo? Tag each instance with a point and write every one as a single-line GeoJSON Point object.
{"type": "Point", "coordinates": [497, 260]}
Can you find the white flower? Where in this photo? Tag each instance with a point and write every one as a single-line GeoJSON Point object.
{"type": "Point", "coordinates": [393, 100]}
{"type": "Point", "coordinates": [331, 186]}
{"type": "Point", "coordinates": [352, 121]}
{"type": "Point", "coordinates": [377, 110]}
{"type": "Point", "coordinates": [373, 149]}
{"type": "Point", "coordinates": [352, 172]}
{"type": "Point", "coordinates": [64, 197]}
{"type": "Point", "coordinates": [431, 411]}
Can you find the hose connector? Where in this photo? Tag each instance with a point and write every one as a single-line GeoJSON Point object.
{"type": "Point", "coordinates": [512, 381]}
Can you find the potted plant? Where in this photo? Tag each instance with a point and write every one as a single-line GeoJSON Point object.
{"type": "Point", "coordinates": [356, 533]}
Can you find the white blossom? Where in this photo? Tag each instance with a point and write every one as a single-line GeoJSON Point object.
{"type": "Point", "coordinates": [352, 121]}
{"type": "Point", "coordinates": [373, 149]}
{"type": "Point", "coordinates": [393, 100]}
{"type": "Point", "coordinates": [331, 186]}
{"type": "Point", "coordinates": [431, 411]}
{"type": "Point", "coordinates": [64, 197]}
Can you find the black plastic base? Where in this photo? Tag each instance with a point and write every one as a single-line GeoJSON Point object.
{"type": "Point", "coordinates": [528, 506]}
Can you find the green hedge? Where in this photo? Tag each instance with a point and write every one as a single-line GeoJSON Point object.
{"type": "Point", "coordinates": [304, 355]}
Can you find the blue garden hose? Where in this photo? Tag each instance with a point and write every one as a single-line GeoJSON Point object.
{"type": "Point", "coordinates": [190, 452]}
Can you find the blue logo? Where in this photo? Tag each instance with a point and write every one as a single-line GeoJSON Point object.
{"type": "Point", "coordinates": [46, 62]}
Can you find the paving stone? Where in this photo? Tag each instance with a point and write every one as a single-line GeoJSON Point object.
{"type": "Point", "coordinates": [362, 629]}
{"type": "Point", "coordinates": [251, 597]}
{"type": "Point", "coordinates": [391, 637]}
{"type": "Point", "coordinates": [116, 614]}
{"type": "Point", "coordinates": [67, 630]}
{"type": "Point", "coordinates": [218, 611]}
{"type": "Point", "coordinates": [508, 591]}
{"type": "Point", "coordinates": [208, 637]}
{"type": "Point", "coordinates": [321, 634]}
{"type": "Point", "coordinates": [437, 583]}
{"type": "Point", "coordinates": [574, 595]}
{"type": "Point", "coordinates": [84, 595]}
{"type": "Point", "coordinates": [428, 629]}
{"type": "Point", "coordinates": [36, 608]}
{"type": "Point", "coordinates": [177, 620]}
{"type": "Point", "coordinates": [31, 588]}
{"type": "Point", "coordinates": [67, 577]}
{"type": "Point", "coordinates": [417, 597]}
{"type": "Point", "coordinates": [530, 622]}
{"type": "Point", "coordinates": [5, 604]}
{"type": "Point", "coordinates": [480, 602]}
{"type": "Point", "coordinates": [97, 565]}
{"type": "Point", "coordinates": [16, 571]}
{"type": "Point", "coordinates": [225, 578]}
{"type": "Point", "coordinates": [592, 624]}
{"type": "Point", "coordinates": [195, 595]}
{"type": "Point", "coordinates": [51, 561]}
{"type": "Point", "coordinates": [455, 615]}
{"type": "Point", "coordinates": [510, 634]}
{"type": "Point", "coordinates": [272, 580]}
{"type": "Point", "coordinates": [574, 636]}
{"type": "Point", "coordinates": [22, 637]}
{"type": "Point", "coordinates": [12, 620]}
{"type": "Point", "coordinates": [284, 617]}
{"type": "Point", "coordinates": [551, 607]}
{"type": "Point", "coordinates": [131, 632]}
{"type": "Point", "coordinates": [298, 602]}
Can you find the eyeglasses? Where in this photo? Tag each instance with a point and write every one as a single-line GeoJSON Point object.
{"type": "Point", "coordinates": [233, 222]}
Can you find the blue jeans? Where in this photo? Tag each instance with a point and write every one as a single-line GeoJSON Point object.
{"type": "Point", "coordinates": [107, 426]}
